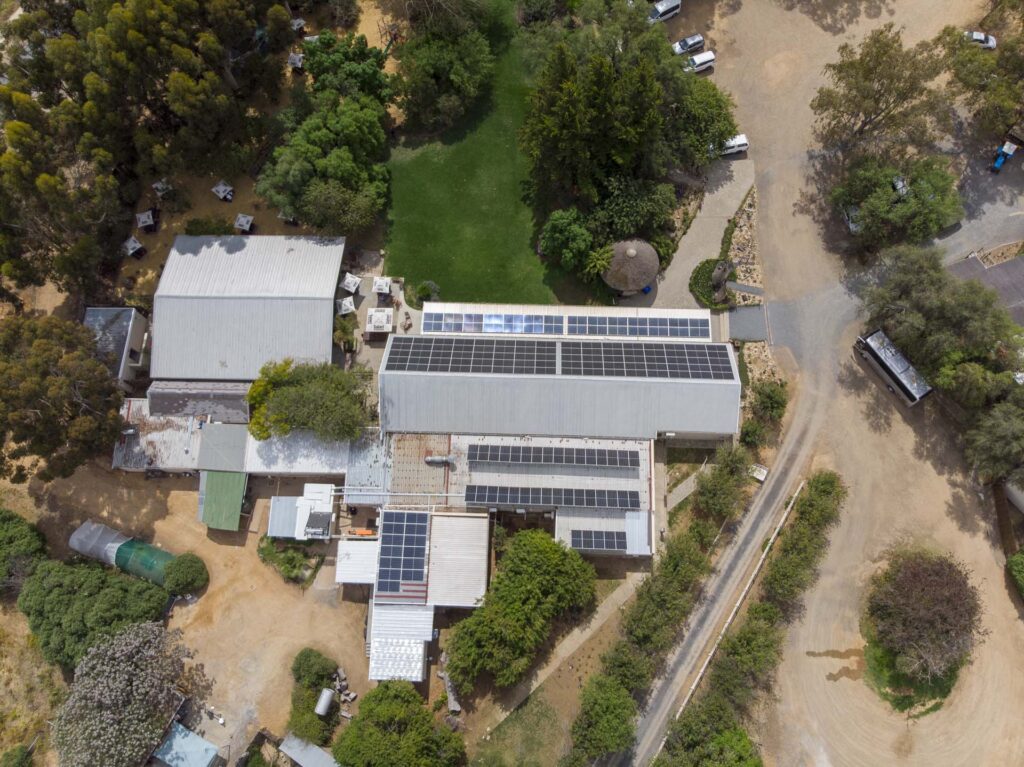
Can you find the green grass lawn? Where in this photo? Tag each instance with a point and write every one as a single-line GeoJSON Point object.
{"type": "Point", "coordinates": [457, 212]}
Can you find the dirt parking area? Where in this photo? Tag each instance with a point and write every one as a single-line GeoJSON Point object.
{"type": "Point", "coordinates": [249, 624]}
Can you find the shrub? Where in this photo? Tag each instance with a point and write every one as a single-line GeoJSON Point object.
{"type": "Point", "coordinates": [753, 433]}
{"type": "Point", "coordinates": [1015, 566]}
{"type": "Point", "coordinates": [208, 225]}
{"type": "Point", "coordinates": [71, 607]}
{"type": "Point", "coordinates": [700, 285]}
{"type": "Point", "coordinates": [770, 400]}
{"type": "Point", "coordinates": [16, 757]}
{"type": "Point", "coordinates": [313, 669]}
{"type": "Point", "coordinates": [632, 208]}
{"type": "Point", "coordinates": [665, 247]}
{"type": "Point", "coordinates": [597, 263]}
{"type": "Point", "coordinates": [538, 580]}
{"type": "Point", "coordinates": [566, 238]}
{"type": "Point", "coordinates": [726, 246]}
{"type": "Point", "coordinates": [628, 665]}
{"type": "Point", "coordinates": [21, 547]}
{"type": "Point", "coordinates": [605, 721]}
{"type": "Point", "coordinates": [720, 490]}
{"type": "Point", "coordinates": [186, 574]}
{"type": "Point", "coordinates": [291, 561]}
{"type": "Point", "coordinates": [303, 720]}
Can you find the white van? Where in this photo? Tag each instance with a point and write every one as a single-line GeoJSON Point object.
{"type": "Point", "coordinates": [736, 144]}
{"type": "Point", "coordinates": [664, 10]}
{"type": "Point", "coordinates": [700, 62]}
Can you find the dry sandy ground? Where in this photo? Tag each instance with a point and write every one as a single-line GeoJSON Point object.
{"type": "Point", "coordinates": [906, 477]}
{"type": "Point", "coordinates": [249, 624]}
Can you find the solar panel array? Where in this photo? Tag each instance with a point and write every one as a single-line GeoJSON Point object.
{"type": "Point", "coordinates": [458, 322]}
{"type": "Point", "coordinates": [554, 456]}
{"type": "Point", "coordinates": [633, 359]}
{"type": "Point", "coordinates": [666, 327]}
{"type": "Point", "coordinates": [484, 495]}
{"type": "Point", "coordinates": [472, 355]}
{"type": "Point", "coordinates": [403, 553]}
{"type": "Point", "coordinates": [597, 540]}
{"type": "Point", "coordinates": [646, 360]}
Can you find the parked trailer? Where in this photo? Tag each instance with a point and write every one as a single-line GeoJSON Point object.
{"type": "Point", "coordinates": [901, 377]}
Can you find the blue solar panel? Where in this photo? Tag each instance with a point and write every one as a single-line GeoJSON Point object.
{"type": "Point", "coordinates": [458, 322]}
{"type": "Point", "coordinates": [490, 495]}
{"type": "Point", "coordinates": [403, 552]}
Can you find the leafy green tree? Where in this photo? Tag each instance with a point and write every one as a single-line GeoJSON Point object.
{"type": "Point", "coordinates": [995, 444]}
{"type": "Point", "coordinates": [632, 208]}
{"type": "Point", "coordinates": [345, 12]}
{"type": "Point", "coordinates": [698, 119]}
{"type": "Point", "coordinates": [882, 92]}
{"type": "Point", "coordinates": [629, 665]}
{"type": "Point", "coordinates": [943, 324]}
{"type": "Point", "coordinates": [18, 756]}
{"type": "Point", "coordinates": [394, 729]}
{"type": "Point", "coordinates": [58, 404]}
{"type": "Point", "coordinates": [335, 209]}
{"type": "Point", "coordinates": [565, 237]}
{"type": "Point", "coordinates": [331, 402]}
{"type": "Point", "coordinates": [125, 690]}
{"type": "Point", "coordinates": [186, 574]}
{"type": "Point", "coordinates": [341, 144]}
{"type": "Point", "coordinates": [441, 77]}
{"type": "Point", "coordinates": [770, 400]}
{"type": "Point", "coordinates": [538, 579]}
{"type": "Point", "coordinates": [753, 433]}
{"type": "Point", "coordinates": [886, 216]}
{"type": "Point", "coordinates": [597, 263]}
{"type": "Point", "coordinates": [605, 721]}
{"type": "Point", "coordinates": [991, 82]}
{"type": "Point", "coordinates": [348, 66]}
{"type": "Point", "coordinates": [924, 610]}
{"type": "Point", "coordinates": [279, 28]}
{"type": "Point", "coordinates": [303, 720]}
{"type": "Point", "coordinates": [72, 607]}
{"type": "Point", "coordinates": [311, 668]}
{"type": "Point", "coordinates": [21, 548]}
{"type": "Point", "coordinates": [720, 490]}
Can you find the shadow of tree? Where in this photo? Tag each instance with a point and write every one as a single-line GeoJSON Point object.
{"type": "Point", "coordinates": [834, 16]}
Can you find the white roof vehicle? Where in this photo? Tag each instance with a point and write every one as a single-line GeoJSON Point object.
{"type": "Point", "coordinates": [664, 10]}
{"type": "Point", "coordinates": [700, 62]}
{"type": "Point", "coordinates": [981, 38]}
{"type": "Point", "coordinates": [736, 144]}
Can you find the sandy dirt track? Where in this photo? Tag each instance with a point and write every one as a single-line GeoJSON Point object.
{"type": "Point", "coordinates": [906, 477]}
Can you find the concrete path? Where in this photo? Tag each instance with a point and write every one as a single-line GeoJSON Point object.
{"type": "Point", "coordinates": [728, 182]}
{"type": "Point", "coordinates": [572, 641]}
{"type": "Point", "coordinates": [748, 323]}
{"type": "Point", "coordinates": [683, 490]}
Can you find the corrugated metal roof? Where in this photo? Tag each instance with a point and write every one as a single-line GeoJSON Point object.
{"type": "Point", "coordinates": [112, 325]}
{"type": "Point", "coordinates": [300, 453]}
{"type": "Point", "coordinates": [558, 406]}
{"type": "Point", "coordinates": [227, 305]}
{"type": "Point", "coordinates": [398, 659]}
{"type": "Point", "coordinates": [304, 753]}
{"type": "Point", "coordinates": [357, 560]}
{"type": "Point", "coordinates": [283, 512]}
{"type": "Point", "coordinates": [636, 525]}
{"type": "Point", "coordinates": [223, 447]}
{"type": "Point", "coordinates": [220, 499]}
{"type": "Point", "coordinates": [220, 400]}
{"type": "Point", "coordinates": [402, 622]}
{"type": "Point", "coordinates": [183, 748]}
{"type": "Point", "coordinates": [369, 464]}
{"type": "Point", "coordinates": [459, 556]}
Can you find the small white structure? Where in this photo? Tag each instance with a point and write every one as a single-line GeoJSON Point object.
{"type": "Point", "coordinates": [382, 285]}
{"type": "Point", "coordinates": [132, 247]}
{"type": "Point", "coordinates": [243, 222]}
{"type": "Point", "coordinates": [97, 541]}
{"type": "Point", "coordinates": [357, 560]}
{"type": "Point", "coordinates": [298, 25]}
{"type": "Point", "coordinates": [380, 320]}
{"type": "Point", "coordinates": [345, 305]}
{"type": "Point", "coordinates": [144, 220]}
{"type": "Point", "coordinates": [295, 60]}
{"type": "Point", "coordinates": [224, 191]}
{"type": "Point", "coordinates": [162, 188]}
{"type": "Point", "coordinates": [310, 517]}
{"type": "Point", "coordinates": [351, 283]}
{"type": "Point", "coordinates": [310, 38]}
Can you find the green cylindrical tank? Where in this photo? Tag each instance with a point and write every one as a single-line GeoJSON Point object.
{"type": "Point", "coordinates": [143, 560]}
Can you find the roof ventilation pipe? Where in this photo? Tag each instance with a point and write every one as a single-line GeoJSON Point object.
{"type": "Point", "coordinates": [440, 460]}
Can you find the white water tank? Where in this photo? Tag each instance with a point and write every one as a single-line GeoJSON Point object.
{"type": "Point", "coordinates": [324, 704]}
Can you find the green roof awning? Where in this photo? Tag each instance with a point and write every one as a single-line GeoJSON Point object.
{"type": "Point", "coordinates": [220, 498]}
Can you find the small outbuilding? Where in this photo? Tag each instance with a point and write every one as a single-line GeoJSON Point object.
{"type": "Point", "coordinates": [132, 247]}
{"type": "Point", "coordinates": [183, 748]}
{"type": "Point", "coordinates": [634, 266]}
{"type": "Point", "coordinates": [224, 191]}
{"type": "Point", "coordinates": [244, 223]}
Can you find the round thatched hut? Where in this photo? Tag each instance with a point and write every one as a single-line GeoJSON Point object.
{"type": "Point", "coordinates": [634, 266]}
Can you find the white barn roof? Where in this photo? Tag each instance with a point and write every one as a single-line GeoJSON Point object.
{"type": "Point", "coordinates": [227, 305]}
{"type": "Point", "coordinates": [398, 637]}
{"type": "Point", "coordinates": [460, 385]}
{"type": "Point", "coordinates": [459, 554]}
{"type": "Point", "coordinates": [357, 560]}
{"type": "Point", "coordinates": [300, 453]}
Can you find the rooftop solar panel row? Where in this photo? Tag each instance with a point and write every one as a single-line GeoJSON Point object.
{"type": "Point", "coordinates": [665, 327]}
{"type": "Point", "coordinates": [403, 551]}
{"type": "Point", "coordinates": [484, 495]}
{"type": "Point", "coordinates": [646, 360]}
{"type": "Point", "coordinates": [456, 322]}
{"type": "Point", "coordinates": [555, 456]}
{"type": "Point", "coordinates": [472, 355]}
{"type": "Point", "coordinates": [574, 325]}
{"type": "Point", "coordinates": [597, 540]}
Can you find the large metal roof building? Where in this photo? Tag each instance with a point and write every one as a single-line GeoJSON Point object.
{"type": "Point", "coordinates": [227, 305]}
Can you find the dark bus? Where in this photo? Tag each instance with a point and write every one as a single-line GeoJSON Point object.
{"type": "Point", "coordinates": [894, 368]}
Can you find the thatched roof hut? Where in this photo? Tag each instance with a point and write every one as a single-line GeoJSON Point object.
{"type": "Point", "coordinates": [634, 266]}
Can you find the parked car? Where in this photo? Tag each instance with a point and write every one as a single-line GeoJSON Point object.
{"type": "Point", "coordinates": [1006, 151]}
{"type": "Point", "coordinates": [700, 62]}
{"type": "Point", "coordinates": [900, 186]}
{"type": "Point", "coordinates": [664, 10]}
{"type": "Point", "coordinates": [735, 145]}
{"type": "Point", "coordinates": [986, 41]}
{"type": "Point", "coordinates": [851, 214]}
{"type": "Point", "coordinates": [689, 44]}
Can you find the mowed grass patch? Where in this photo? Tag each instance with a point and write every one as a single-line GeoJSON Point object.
{"type": "Point", "coordinates": [458, 217]}
{"type": "Point", "coordinates": [531, 736]}
{"type": "Point", "coordinates": [904, 694]}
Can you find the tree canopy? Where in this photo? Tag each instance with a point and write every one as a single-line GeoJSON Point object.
{"type": "Point", "coordinates": [21, 547]}
{"type": "Point", "coordinates": [394, 729]}
{"type": "Point", "coordinates": [72, 607]}
{"type": "Point", "coordinates": [924, 610]}
{"type": "Point", "coordinates": [886, 215]}
{"type": "Point", "coordinates": [331, 402]}
{"type": "Point", "coordinates": [538, 579]}
{"type": "Point", "coordinates": [58, 404]}
{"type": "Point", "coordinates": [881, 92]}
{"type": "Point", "coordinates": [605, 722]}
{"type": "Point", "coordinates": [125, 690]}
{"type": "Point", "coordinates": [991, 82]}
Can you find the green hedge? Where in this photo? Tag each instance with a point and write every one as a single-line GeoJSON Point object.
{"type": "Point", "coordinates": [1015, 566]}
{"type": "Point", "coordinates": [186, 574]}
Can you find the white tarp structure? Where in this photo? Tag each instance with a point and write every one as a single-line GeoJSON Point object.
{"type": "Point", "coordinates": [97, 541]}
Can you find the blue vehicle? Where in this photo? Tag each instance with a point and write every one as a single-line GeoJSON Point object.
{"type": "Point", "coordinates": [1005, 153]}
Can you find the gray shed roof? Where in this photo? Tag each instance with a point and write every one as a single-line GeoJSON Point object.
{"type": "Point", "coordinates": [284, 511]}
{"type": "Point", "coordinates": [227, 305]}
{"type": "Point", "coordinates": [221, 400]}
{"type": "Point", "coordinates": [223, 447]}
{"type": "Point", "coordinates": [112, 326]}
{"type": "Point", "coordinates": [561, 405]}
{"type": "Point", "coordinates": [304, 753]}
